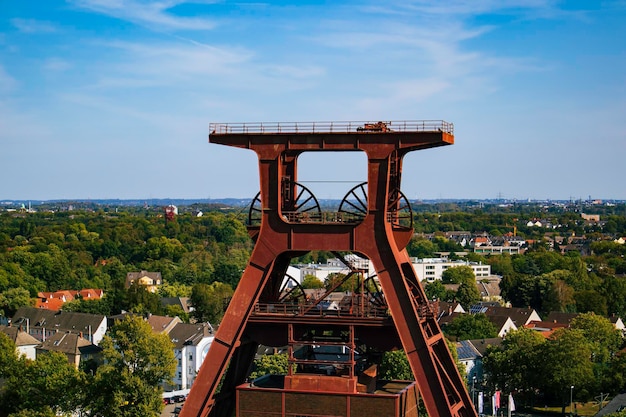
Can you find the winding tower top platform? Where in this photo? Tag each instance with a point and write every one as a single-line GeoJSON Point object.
{"type": "Point", "coordinates": [373, 221]}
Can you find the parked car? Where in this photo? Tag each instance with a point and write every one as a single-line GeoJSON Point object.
{"type": "Point", "coordinates": [177, 410]}
{"type": "Point", "coordinates": [168, 400]}
{"type": "Point", "coordinates": [179, 398]}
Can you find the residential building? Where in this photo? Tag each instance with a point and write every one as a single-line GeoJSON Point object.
{"type": "Point", "coordinates": [162, 324]}
{"type": "Point", "coordinates": [618, 323]}
{"type": "Point", "coordinates": [150, 280]}
{"type": "Point", "coordinates": [74, 346]}
{"type": "Point", "coordinates": [561, 317]}
{"type": "Point", "coordinates": [55, 300]}
{"type": "Point", "coordinates": [443, 308]}
{"type": "Point", "coordinates": [566, 319]}
{"type": "Point", "coordinates": [42, 324]}
{"type": "Point", "coordinates": [471, 358]}
{"type": "Point", "coordinates": [546, 328]}
{"type": "Point", "coordinates": [503, 324]}
{"type": "Point", "coordinates": [431, 269]}
{"type": "Point", "coordinates": [499, 249]}
{"type": "Point", "coordinates": [191, 344]}
{"type": "Point", "coordinates": [25, 344]}
{"type": "Point", "coordinates": [490, 288]}
{"type": "Point", "coordinates": [183, 302]}
{"type": "Point", "coordinates": [497, 245]}
{"type": "Point", "coordinates": [519, 316]}
{"type": "Point", "coordinates": [481, 346]}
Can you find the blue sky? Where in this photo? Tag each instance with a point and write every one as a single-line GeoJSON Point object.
{"type": "Point", "coordinates": [112, 98]}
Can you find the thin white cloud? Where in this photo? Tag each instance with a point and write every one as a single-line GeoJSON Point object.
{"type": "Point", "coordinates": [305, 72]}
{"type": "Point", "coordinates": [156, 15]}
{"type": "Point", "coordinates": [175, 61]}
{"type": "Point", "coordinates": [33, 26]}
{"type": "Point", "coordinates": [7, 83]}
{"type": "Point", "coordinates": [516, 9]}
{"type": "Point", "coordinates": [56, 65]}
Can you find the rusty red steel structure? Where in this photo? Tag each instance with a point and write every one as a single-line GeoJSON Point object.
{"type": "Point", "coordinates": [286, 222]}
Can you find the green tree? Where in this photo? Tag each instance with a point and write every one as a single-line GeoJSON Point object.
{"type": "Point", "coordinates": [8, 356]}
{"type": "Point", "coordinates": [470, 326]}
{"type": "Point", "coordinates": [338, 282]}
{"type": "Point", "coordinates": [614, 290]}
{"type": "Point", "coordinates": [161, 247]}
{"type": "Point", "coordinates": [311, 282]}
{"type": "Point", "coordinates": [141, 300]}
{"type": "Point", "coordinates": [559, 297]}
{"type": "Point", "coordinates": [458, 275]}
{"type": "Point", "coordinates": [174, 289]}
{"type": "Point", "coordinates": [210, 301]}
{"type": "Point", "coordinates": [515, 364]}
{"type": "Point", "coordinates": [174, 310]}
{"type": "Point", "coordinates": [395, 365]}
{"type": "Point", "coordinates": [277, 364]}
{"type": "Point", "coordinates": [590, 301]}
{"type": "Point", "coordinates": [617, 373]}
{"type": "Point", "coordinates": [566, 361]}
{"type": "Point", "coordinates": [49, 383]}
{"type": "Point", "coordinates": [45, 412]}
{"type": "Point", "coordinates": [467, 293]}
{"type": "Point", "coordinates": [604, 338]}
{"type": "Point", "coordinates": [99, 306]}
{"type": "Point", "coordinates": [437, 291]}
{"type": "Point", "coordinates": [14, 298]}
{"type": "Point", "coordinates": [136, 362]}
{"type": "Point", "coordinates": [421, 248]}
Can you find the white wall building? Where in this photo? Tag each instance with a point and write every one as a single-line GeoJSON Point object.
{"type": "Point", "coordinates": [430, 269]}
{"type": "Point", "coordinates": [334, 266]}
{"type": "Point", "coordinates": [191, 344]}
{"type": "Point", "coordinates": [25, 344]}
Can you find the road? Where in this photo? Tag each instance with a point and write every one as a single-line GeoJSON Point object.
{"type": "Point", "coordinates": [168, 410]}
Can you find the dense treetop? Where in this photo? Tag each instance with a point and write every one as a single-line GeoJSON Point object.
{"type": "Point", "coordinates": [96, 248]}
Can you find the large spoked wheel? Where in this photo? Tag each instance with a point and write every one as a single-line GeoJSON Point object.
{"type": "Point", "coordinates": [292, 291]}
{"type": "Point", "coordinates": [255, 211]}
{"type": "Point", "coordinates": [400, 213]}
{"type": "Point", "coordinates": [353, 207]}
{"type": "Point", "coordinates": [375, 292]}
{"type": "Point", "coordinates": [305, 205]}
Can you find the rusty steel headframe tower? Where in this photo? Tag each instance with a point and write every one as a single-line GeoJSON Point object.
{"type": "Point", "coordinates": [386, 311]}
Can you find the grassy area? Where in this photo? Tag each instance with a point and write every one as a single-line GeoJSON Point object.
{"type": "Point", "coordinates": [581, 409]}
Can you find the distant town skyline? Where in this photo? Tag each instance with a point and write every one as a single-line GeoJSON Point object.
{"type": "Point", "coordinates": [112, 100]}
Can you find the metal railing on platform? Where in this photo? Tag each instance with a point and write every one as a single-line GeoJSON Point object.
{"type": "Point", "coordinates": [369, 311]}
{"type": "Point", "coordinates": [365, 127]}
{"type": "Point", "coordinates": [321, 217]}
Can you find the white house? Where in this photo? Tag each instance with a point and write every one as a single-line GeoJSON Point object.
{"type": "Point", "coordinates": [336, 266]}
{"type": "Point", "coordinates": [191, 345]}
{"type": "Point", "coordinates": [25, 344]}
{"type": "Point", "coordinates": [470, 357]}
{"type": "Point", "coordinates": [430, 269]}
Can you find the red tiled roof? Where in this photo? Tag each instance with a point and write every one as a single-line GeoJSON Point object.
{"type": "Point", "coordinates": [54, 304]}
